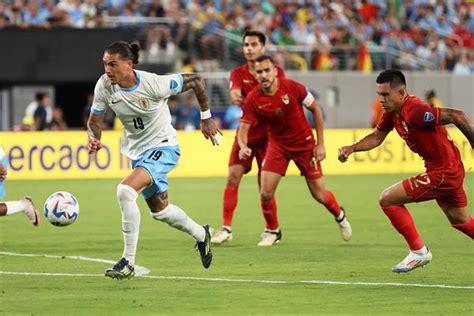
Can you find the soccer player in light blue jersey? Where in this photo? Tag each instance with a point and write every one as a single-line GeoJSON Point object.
{"type": "Point", "coordinates": [12, 207]}
{"type": "Point", "coordinates": [140, 101]}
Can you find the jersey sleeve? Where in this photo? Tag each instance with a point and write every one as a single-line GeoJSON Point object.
{"type": "Point", "coordinates": [100, 104]}
{"type": "Point", "coordinates": [167, 85]}
{"type": "Point", "coordinates": [302, 94]}
{"type": "Point", "coordinates": [249, 116]}
{"type": "Point", "coordinates": [422, 116]}
{"type": "Point", "coordinates": [235, 81]}
{"type": "Point", "coordinates": [385, 123]}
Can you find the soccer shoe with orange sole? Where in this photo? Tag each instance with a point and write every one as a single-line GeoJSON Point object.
{"type": "Point", "coordinates": [412, 261]}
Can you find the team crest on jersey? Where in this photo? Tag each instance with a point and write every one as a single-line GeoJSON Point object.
{"type": "Point", "coordinates": [428, 117]}
{"type": "Point", "coordinates": [285, 99]}
{"type": "Point", "coordinates": [247, 81]}
{"type": "Point", "coordinates": [144, 103]}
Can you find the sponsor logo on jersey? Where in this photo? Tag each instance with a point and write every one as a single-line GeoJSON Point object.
{"type": "Point", "coordinates": [428, 117]}
{"type": "Point", "coordinates": [285, 99]}
{"type": "Point", "coordinates": [173, 84]}
{"type": "Point", "coordinates": [144, 103]}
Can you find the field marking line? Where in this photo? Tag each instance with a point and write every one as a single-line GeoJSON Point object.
{"type": "Point", "coordinates": [320, 282]}
{"type": "Point", "coordinates": [139, 270]}
{"type": "Point", "coordinates": [160, 277]}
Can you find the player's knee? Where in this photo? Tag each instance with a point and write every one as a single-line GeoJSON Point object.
{"type": "Point", "coordinates": [384, 199]}
{"type": "Point", "coordinates": [126, 193]}
{"type": "Point", "coordinates": [234, 178]}
{"type": "Point", "coordinates": [266, 195]}
{"type": "Point", "coordinates": [319, 196]}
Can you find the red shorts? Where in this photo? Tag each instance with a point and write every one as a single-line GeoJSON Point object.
{"type": "Point", "coordinates": [258, 152]}
{"type": "Point", "coordinates": [444, 186]}
{"type": "Point", "coordinates": [277, 160]}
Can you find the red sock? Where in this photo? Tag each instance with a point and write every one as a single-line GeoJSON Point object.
{"type": "Point", "coordinates": [269, 210]}
{"type": "Point", "coordinates": [403, 223]}
{"type": "Point", "coordinates": [331, 204]}
{"type": "Point", "coordinates": [231, 193]}
{"type": "Point", "coordinates": [467, 227]}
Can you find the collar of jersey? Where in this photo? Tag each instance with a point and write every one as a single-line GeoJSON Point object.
{"type": "Point", "coordinates": [135, 86]}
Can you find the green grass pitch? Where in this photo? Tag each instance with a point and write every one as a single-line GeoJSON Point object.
{"type": "Point", "coordinates": [237, 282]}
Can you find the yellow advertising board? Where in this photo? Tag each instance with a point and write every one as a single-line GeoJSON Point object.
{"type": "Point", "coordinates": [63, 155]}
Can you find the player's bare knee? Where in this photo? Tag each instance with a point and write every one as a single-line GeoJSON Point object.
{"type": "Point", "coordinates": [126, 193]}
{"type": "Point", "coordinates": [266, 195]}
{"type": "Point", "coordinates": [234, 178]}
{"type": "Point", "coordinates": [384, 199]}
{"type": "Point", "coordinates": [158, 202]}
{"type": "Point", "coordinates": [319, 196]}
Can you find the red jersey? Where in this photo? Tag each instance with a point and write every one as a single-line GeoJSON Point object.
{"type": "Point", "coordinates": [241, 78]}
{"type": "Point", "coordinates": [417, 124]}
{"type": "Point", "coordinates": [283, 113]}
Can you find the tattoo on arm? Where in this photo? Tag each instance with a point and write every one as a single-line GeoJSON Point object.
{"type": "Point", "coordinates": [94, 130]}
{"type": "Point", "coordinates": [462, 122]}
{"type": "Point", "coordinates": [196, 83]}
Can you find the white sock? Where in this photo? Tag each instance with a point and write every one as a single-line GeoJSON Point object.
{"type": "Point", "coordinates": [422, 251]}
{"type": "Point", "coordinates": [177, 218]}
{"type": "Point", "coordinates": [127, 198]}
{"type": "Point", "coordinates": [341, 216]}
{"type": "Point", "coordinates": [16, 206]}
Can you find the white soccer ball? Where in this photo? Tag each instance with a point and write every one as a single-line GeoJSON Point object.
{"type": "Point", "coordinates": [61, 208]}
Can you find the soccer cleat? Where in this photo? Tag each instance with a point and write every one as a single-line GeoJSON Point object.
{"type": "Point", "coordinates": [412, 261]}
{"type": "Point", "coordinates": [345, 227]}
{"type": "Point", "coordinates": [270, 238]}
{"type": "Point", "coordinates": [204, 248]}
{"type": "Point", "coordinates": [121, 270]}
{"type": "Point", "coordinates": [31, 212]}
{"type": "Point", "coordinates": [224, 234]}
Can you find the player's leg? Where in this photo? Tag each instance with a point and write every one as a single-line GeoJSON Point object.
{"type": "Point", "coordinates": [269, 182]}
{"type": "Point", "coordinates": [454, 206]}
{"type": "Point", "coordinates": [26, 206]}
{"type": "Point", "coordinates": [392, 202]}
{"type": "Point", "coordinates": [127, 194]}
{"type": "Point", "coordinates": [327, 198]}
{"type": "Point", "coordinates": [156, 197]}
{"type": "Point", "coordinates": [229, 204]}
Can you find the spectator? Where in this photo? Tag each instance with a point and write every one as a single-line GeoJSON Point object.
{"type": "Point", "coordinates": [40, 115]}
{"type": "Point", "coordinates": [58, 123]}
{"type": "Point", "coordinates": [188, 114]}
{"type": "Point", "coordinates": [232, 116]}
{"type": "Point", "coordinates": [462, 67]}
{"type": "Point", "coordinates": [32, 106]}
{"type": "Point", "coordinates": [432, 100]}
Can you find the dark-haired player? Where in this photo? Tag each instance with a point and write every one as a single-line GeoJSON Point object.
{"type": "Point", "coordinates": [421, 126]}
{"type": "Point", "coordinates": [278, 102]}
{"type": "Point", "coordinates": [139, 99]}
{"type": "Point", "coordinates": [242, 80]}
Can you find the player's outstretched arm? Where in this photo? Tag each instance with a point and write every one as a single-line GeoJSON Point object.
{"type": "Point", "coordinates": [369, 142]}
{"type": "Point", "coordinates": [319, 150]}
{"type": "Point", "coordinates": [242, 138]}
{"type": "Point", "coordinates": [94, 131]}
{"type": "Point", "coordinates": [460, 120]}
{"type": "Point", "coordinates": [209, 128]}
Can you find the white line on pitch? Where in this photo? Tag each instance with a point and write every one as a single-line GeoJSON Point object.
{"type": "Point", "coordinates": [322, 282]}
{"type": "Point", "coordinates": [142, 271]}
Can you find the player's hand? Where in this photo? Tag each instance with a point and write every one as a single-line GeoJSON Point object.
{"type": "Point", "coordinates": [344, 152]}
{"type": "Point", "coordinates": [319, 152]}
{"type": "Point", "coordinates": [94, 145]}
{"type": "Point", "coordinates": [210, 131]}
{"type": "Point", "coordinates": [245, 153]}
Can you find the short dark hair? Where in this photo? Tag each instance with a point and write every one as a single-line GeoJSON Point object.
{"type": "Point", "coordinates": [261, 37]}
{"type": "Point", "coordinates": [125, 50]}
{"type": "Point", "coordinates": [392, 76]}
{"type": "Point", "coordinates": [263, 58]}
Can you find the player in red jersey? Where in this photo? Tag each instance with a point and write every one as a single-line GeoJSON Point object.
{"type": "Point", "coordinates": [242, 80]}
{"type": "Point", "coordinates": [421, 126]}
{"type": "Point", "coordinates": [278, 102]}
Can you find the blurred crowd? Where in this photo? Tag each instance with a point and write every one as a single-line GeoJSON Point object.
{"type": "Point", "coordinates": [318, 34]}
